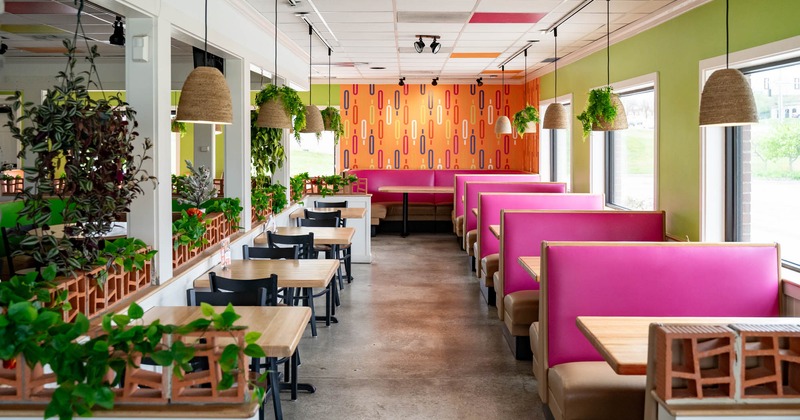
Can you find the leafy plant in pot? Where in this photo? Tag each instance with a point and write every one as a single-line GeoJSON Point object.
{"type": "Point", "coordinates": [266, 150]}
{"type": "Point", "coordinates": [197, 187]}
{"type": "Point", "coordinates": [333, 122]}
{"type": "Point", "coordinates": [600, 110]}
{"type": "Point", "coordinates": [291, 104]}
{"type": "Point", "coordinates": [523, 118]}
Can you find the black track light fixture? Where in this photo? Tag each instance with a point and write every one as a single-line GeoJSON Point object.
{"type": "Point", "coordinates": [419, 45]}
{"type": "Point", "coordinates": [118, 37]}
{"type": "Point", "coordinates": [479, 81]}
{"type": "Point", "coordinates": [402, 81]}
{"type": "Point", "coordinates": [435, 46]}
{"type": "Point", "coordinates": [435, 81]}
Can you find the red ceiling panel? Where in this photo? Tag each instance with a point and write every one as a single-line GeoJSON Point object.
{"type": "Point", "coordinates": [506, 17]}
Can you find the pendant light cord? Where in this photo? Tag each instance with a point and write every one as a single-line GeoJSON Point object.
{"type": "Point", "coordinates": [555, 60]}
{"type": "Point", "coordinates": [310, 33]}
{"type": "Point", "coordinates": [525, 73]}
{"type": "Point", "coordinates": [503, 88]}
{"type": "Point", "coordinates": [329, 77]}
{"type": "Point", "coordinates": [608, 42]}
{"type": "Point", "coordinates": [275, 75]}
{"type": "Point", "coordinates": [205, 37]}
{"type": "Point", "coordinates": [727, 34]}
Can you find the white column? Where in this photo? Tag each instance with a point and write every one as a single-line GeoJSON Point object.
{"type": "Point", "coordinates": [147, 83]}
{"type": "Point", "coordinates": [237, 137]}
{"type": "Point", "coordinates": [204, 147]}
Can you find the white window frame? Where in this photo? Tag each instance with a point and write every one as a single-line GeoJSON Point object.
{"type": "Point", "coordinates": [544, 147]}
{"type": "Point", "coordinates": [712, 139]}
{"type": "Point", "coordinates": [597, 144]}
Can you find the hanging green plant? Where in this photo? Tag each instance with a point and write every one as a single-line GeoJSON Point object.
{"type": "Point", "coordinates": [333, 122]}
{"type": "Point", "coordinates": [599, 109]}
{"type": "Point", "coordinates": [523, 117]}
{"type": "Point", "coordinates": [178, 127]}
{"type": "Point", "coordinates": [291, 103]}
{"type": "Point", "coordinates": [266, 150]}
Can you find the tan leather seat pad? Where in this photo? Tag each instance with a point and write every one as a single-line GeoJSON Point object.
{"type": "Point", "coordinates": [472, 237]}
{"type": "Point", "coordinates": [459, 225]}
{"type": "Point", "coordinates": [591, 390]}
{"type": "Point", "coordinates": [533, 332]}
{"type": "Point", "coordinates": [489, 265]}
{"type": "Point", "coordinates": [521, 310]}
{"type": "Point", "coordinates": [378, 211]}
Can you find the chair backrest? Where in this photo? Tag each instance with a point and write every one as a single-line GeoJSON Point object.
{"type": "Point", "coordinates": [196, 297]}
{"type": "Point", "coordinates": [266, 253]}
{"type": "Point", "coordinates": [305, 243]}
{"type": "Point", "coordinates": [225, 284]}
{"type": "Point", "coordinates": [330, 204]}
{"type": "Point", "coordinates": [319, 222]}
{"type": "Point", "coordinates": [320, 215]}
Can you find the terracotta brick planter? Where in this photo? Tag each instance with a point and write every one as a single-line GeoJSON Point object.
{"type": "Point", "coordinates": [76, 294]}
{"type": "Point", "coordinates": [11, 384]}
{"type": "Point", "coordinates": [11, 186]}
{"type": "Point", "coordinates": [188, 388]}
{"type": "Point", "coordinates": [770, 366]}
{"type": "Point", "coordinates": [144, 385]}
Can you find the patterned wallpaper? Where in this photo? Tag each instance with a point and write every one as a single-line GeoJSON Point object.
{"type": "Point", "coordinates": [434, 127]}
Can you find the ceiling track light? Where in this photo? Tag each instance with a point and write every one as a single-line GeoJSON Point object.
{"type": "Point", "coordinates": [402, 81]}
{"type": "Point", "coordinates": [419, 46]}
{"type": "Point", "coordinates": [479, 81]}
{"type": "Point", "coordinates": [435, 81]}
{"type": "Point", "coordinates": [118, 37]}
{"type": "Point", "coordinates": [3, 48]}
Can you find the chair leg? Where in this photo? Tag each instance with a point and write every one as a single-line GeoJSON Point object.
{"type": "Point", "coordinates": [276, 386]}
{"type": "Point", "coordinates": [348, 260]}
{"type": "Point", "coordinates": [309, 297]}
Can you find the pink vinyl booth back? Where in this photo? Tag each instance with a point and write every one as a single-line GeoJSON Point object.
{"type": "Point", "coordinates": [446, 178]}
{"type": "Point", "coordinates": [651, 279]}
{"type": "Point", "coordinates": [461, 179]}
{"type": "Point", "coordinates": [523, 232]}
{"type": "Point", "coordinates": [473, 190]}
{"type": "Point", "coordinates": [491, 204]}
{"type": "Point", "coordinates": [406, 177]}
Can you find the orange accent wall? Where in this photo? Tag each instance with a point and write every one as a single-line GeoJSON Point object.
{"type": "Point", "coordinates": [434, 127]}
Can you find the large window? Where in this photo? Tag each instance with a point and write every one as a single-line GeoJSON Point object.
{"type": "Point", "coordinates": [313, 155]}
{"type": "Point", "coordinates": [555, 144]}
{"type": "Point", "coordinates": [630, 154]}
{"type": "Point", "coordinates": [762, 172]}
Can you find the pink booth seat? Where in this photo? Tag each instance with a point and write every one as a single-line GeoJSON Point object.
{"type": "Point", "coordinates": [493, 202]}
{"type": "Point", "coordinates": [637, 279]}
{"type": "Point", "coordinates": [461, 179]}
{"type": "Point", "coordinates": [377, 178]}
{"type": "Point", "coordinates": [446, 178]}
{"type": "Point", "coordinates": [522, 234]}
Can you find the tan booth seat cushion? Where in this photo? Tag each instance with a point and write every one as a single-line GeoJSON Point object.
{"type": "Point", "coordinates": [416, 211]}
{"type": "Point", "coordinates": [459, 226]}
{"type": "Point", "coordinates": [497, 280]}
{"type": "Point", "coordinates": [521, 310]}
{"type": "Point", "coordinates": [592, 390]}
{"type": "Point", "coordinates": [378, 212]}
{"type": "Point", "coordinates": [534, 336]}
{"type": "Point", "coordinates": [472, 236]}
{"type": "Point", "coordinates": [489, 265]}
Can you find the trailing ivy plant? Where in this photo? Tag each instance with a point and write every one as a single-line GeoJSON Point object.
{"type": "Point", "coordinates": [32, 326]}
{"type": "Point", "coordinates": [178, 127]}
{"type": "Point", "coordinates": [230, 207]}
{"type": "Point", "coordinates": [297, 184]}
{"type": "Point", "coordinates": [523, 117]}
{"type": "Point", "coordinates": [599, 109]}
{"type": "Point", "coordinates": [291, 103]}
{"type": "Point", "coordinates": [190, 229]}
{"type": "Point", "coordinates": [197, 187]}
{"type": "Point", "coordinates": [279, 200]}
{"type": "Point", "coordinates": [333, 122]}
{"type": "Point", "coordinates": [129, 253]}
{"type": "Point", "coordinates": [332, 184]}
{"type": "Point", "coordinates": [261, 200]}
{"type": "Point", "coordinates": [266, 150]}
{"type": "Point", "coordinates": [94, 141]}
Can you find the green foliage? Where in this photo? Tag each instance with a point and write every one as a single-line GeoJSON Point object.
{"type": "Point", "coordinates": [297, 184]}
{"type": "Point", "coordinates": [93, 140]}
{"type": "Point", "coordinates": [261, 201]}
{"type": "Point", "coordinates": [783, 141]}
{"type": "Point", "coordinates": [230, 207]}
{"type": "Point", "coordinates": [333, 122]}
{"type": "Point", "coordinates": [178, 127]}
{"type": "Point", "coordinates": [332, 184]}
{"type": "Point", "coordinates": [33, 326]}
{"type": "Point", "coordinates": [598, 109]}
{"type": "Point", "coordinates": [291, 102]}
{"type": "Point", "coordinates": [130, 253]}
{"type": "Point", "coordinates": [197, 187]}
{"type": "Point", "coordinates": [523, 117]}
{"type": "Point", "coordinates": [279, 200]}
{"type": "Point", "coordinates": [266, 150]}
{"type": "Point", "coordinates": [189, 230]}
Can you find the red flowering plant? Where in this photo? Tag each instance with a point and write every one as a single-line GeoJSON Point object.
{"type": "Point", "coordinates": [190, 229]}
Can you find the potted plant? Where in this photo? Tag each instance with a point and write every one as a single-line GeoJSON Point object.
{"type": "Point", "coordinates": [333, 122]}
{"type": "Point", "coordinates": [333, 184]}
{"type": "Point", "coordinates": [230, 207]}
{"type": "Point", "coordinates": [297, 184]}
{"type": "Point", "coordinates": [178, 127]}
{"type": "Point", "coordinates": [190, 230]}
{"type": "Point", "coordinates": [291, 102]}
{"type": "Point", "coordinates": [266, 150]}
{"type": "Point", "coordinates": [197, 187]}
{"type": "Point", "coordinates": [600, 110]}
{"type": "Point", "coordinates": [524, 117]}
{"type": "Point", "coordinates": [279, 200]}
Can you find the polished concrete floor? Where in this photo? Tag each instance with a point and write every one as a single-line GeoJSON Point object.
{"type": "Point", "coordinates": [415, 341]}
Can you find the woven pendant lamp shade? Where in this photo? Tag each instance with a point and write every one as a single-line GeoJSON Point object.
{"type": "Point", "coordinates": [272, 114]}
{"type": "Point", "coordinates": [620, 122]}
{"type": "Point", "coordinates": [314, 122]}
{"type": "Point", "coordinates": [205, 98]}
{"type": "Point", "coordinates": [727, 100]}
{"type": "Point", "coordinates": [555, 118]}
{"type": "Point", "coordinates": [502, 126]}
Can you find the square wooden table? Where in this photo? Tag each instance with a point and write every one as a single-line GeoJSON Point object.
{"type": "Point", "coordinates": [475, 212]}
{"type": "Point", "coordinates": [412, 189]}
{"type": "Point", "coordinates": [532, 265]}
{"type": "Point", "coordinates": [495, 229]}
{"type": "Point", "coordinates": [322, 235]}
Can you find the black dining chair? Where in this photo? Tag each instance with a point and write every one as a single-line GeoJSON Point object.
{"type": "Point", "coordinates": [330, 204]}
{"type": "Point", "coordinates": [266, 253]}
{"type": "Point", "coordinates": [225, 284]}
{"type": "Point", "coordinates": [344, 251]}
{"type": "Point", "coordinates": [252, 297]}
{"type": "Point", "coordinates": [331, 251]}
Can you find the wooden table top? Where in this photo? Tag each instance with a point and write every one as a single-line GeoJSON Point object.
{"type": "Point", "coordinates": [347, 212]}
{"type": "Point", "coordinates": [118, 230]}
{"type": "Point", "coordinates": [475, 211]}
{"type": "Point", "coordinates": [622, 341]}
{"type": "Point", "coordinates": [322, 235]}
{"type": "Point", "coordinates": [495, 229]}
{"type": "Point", "coordinates": [291, 273]}
{"type": "Point", "coordinates": [415, 189]}
{"type": "Point", "coordinates": [281, 327]}
{"type": "Point", "coordinates": [532, 265]}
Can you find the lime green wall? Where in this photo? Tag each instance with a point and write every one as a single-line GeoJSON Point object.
{"type": "Point", "coordinates": [674, 50]}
